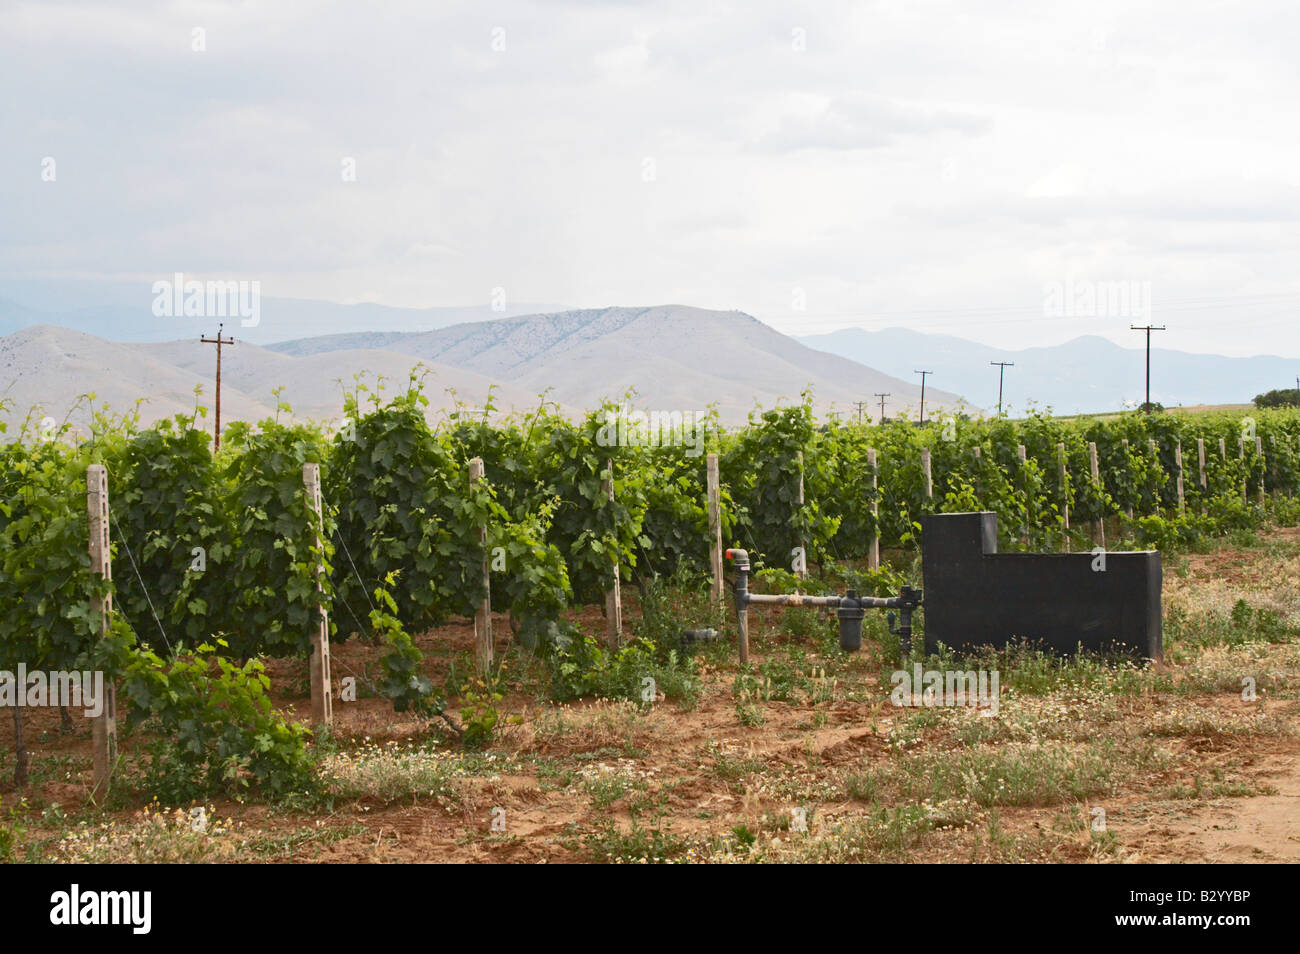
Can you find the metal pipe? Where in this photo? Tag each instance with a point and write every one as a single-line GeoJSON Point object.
{"type": "Point", "coordinates": [850, 608]}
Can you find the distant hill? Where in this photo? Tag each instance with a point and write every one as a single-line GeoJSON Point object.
{"type": "Point", "coordinates": [1086, 374]}
{"type": "Point", "coordinates": [50, 367]}
{"type": "Point", "coordinates": [675, 356]}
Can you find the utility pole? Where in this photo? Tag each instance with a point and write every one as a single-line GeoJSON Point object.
{"type": "Point", "coordinates": [923, 374]}
{"type": "Point", "coordinates": [882, 404]}
{"type": "Point", "coordinates": [1148, 329]}
{"type": "Point", "coordinates": [1002, 367]}
{"type": "Point", "coordinates": [859, 405]}
{"type": "Point", "coordinates": [218, 341]}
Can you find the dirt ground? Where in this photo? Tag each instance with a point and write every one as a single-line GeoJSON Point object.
{"type": "Point", "coordinates": [805, 760]}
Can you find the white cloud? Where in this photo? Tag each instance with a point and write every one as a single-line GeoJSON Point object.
{"type": "Point", "coordinates": [927, 163]}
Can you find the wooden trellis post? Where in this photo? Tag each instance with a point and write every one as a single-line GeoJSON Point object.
{"type": "Point", "coordinates": [1200, 457]}
{"type": "Point", "coordinates": [1245, 477]}
{"type": "Point", "coordinates": [1259, 449]}
{"type": "Point", "coordinates": [613, 595]}
{"type": "Point", "coordinates": [1155, 458]}
{"type": "Point", "coordinates": [926, 481]}
{"type": "Point", "coordinates": [715, 526]}
{"type": "Point", "coordinates": [103, 729]}
{"type": "Point", "coordinates": [482, 615]}
{"type": "Point", "coordinates": [873, 548]}
{"type": "Point", "coordinates": [1065, 497]}
{"type": "Point", "coordinates": [1098, 525]}
{"type": "Point", "coordinates": [1128, 510]}
{"type": "Point", "coordinates": [322, 700]}
{"type": "Point", "coordinates": [1178, 463]}
{"type": "Point", "coordinates": [1023, 458]}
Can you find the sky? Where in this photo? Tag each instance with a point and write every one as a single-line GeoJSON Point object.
{"type": "Point", "coordinates": [996, 171]}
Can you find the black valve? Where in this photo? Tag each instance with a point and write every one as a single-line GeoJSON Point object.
{"type": "Point", "coordinates": [909, 599]}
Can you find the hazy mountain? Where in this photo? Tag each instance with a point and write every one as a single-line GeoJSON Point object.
{"type": "Point", "coordinates": [50, 367]}
{"type": "Point", "coordinates": [675, 356]}
{"type": "Point", "coordinates": [123, 311]}
{"type": "Point", "coordinates": [1089, 373]}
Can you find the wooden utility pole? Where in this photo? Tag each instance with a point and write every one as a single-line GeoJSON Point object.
{"type": "Point", "coordinates": [322, 700]}
{"type": "Point", "coordinates": [613, 595]}
{"type": "Point", "coordinates": [860, 405]}
{"type": "Point", "coordinates": [923, 375]}
{"type": "Point", "coordinates": [1002, 367]}
{"type": "Point", "coordinates": [104, 728]}
{"type": "Point", "coordinates": [715, 526]}
{"type": "Point", "coordinates": [1148, 329]}
{"type": "Point", "coordinates": [218, 341]}
{"type": "Point", "coordinates": [483, 615]}
{"type": "Point", "coordinates": [882, 395]}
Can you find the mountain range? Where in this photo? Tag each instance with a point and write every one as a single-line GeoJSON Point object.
{"type": "Point", "coordinates": [61, 339]}
{"type": "Point", "coordinates": [672, 357]}
{"type": "Point", "coordinates": [1086, 374]}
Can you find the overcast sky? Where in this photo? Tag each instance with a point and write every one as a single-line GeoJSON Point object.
{"type": "Point", "coordinates": [936, 165]}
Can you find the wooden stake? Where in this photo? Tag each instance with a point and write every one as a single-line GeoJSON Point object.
{"type": "Point", "coordinates": [1098, 526]}
{"type": "Point", "coordinates": [1245, 479]}
{"type": "Point", "coordinates": [322, 700]}
{"type": "Point", "coordinates": [1178, 462]}
{"type": "Point", "coordinates": [1128, 510]}
{"type": "Point", "coordinates": [1200, 456]}
{"type": "Point", "coordinates": [1065, 497]}
{"type": "Point", "coordinates": [873, 548]}
{"type": "Point", "coordinates": [715, 526]}
{"type": "Point", "coordinates": [103, 729]}
{"type": "Point", "coordinates": [926, 480]}
{"type": "Point", "coordinates": [482, 615]}
{"type": "Point", "coordinates": [1259, 449]}
{"type": "Point", "coordinates": [613, 595]}
{"type": "Point", "coordinates": [1023, 458]}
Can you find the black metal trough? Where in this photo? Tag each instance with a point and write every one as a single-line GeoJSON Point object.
{"type": "Point", "coordinates": [974, 596]}
{"type": "Point", "coordinates": [1099, 601]}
